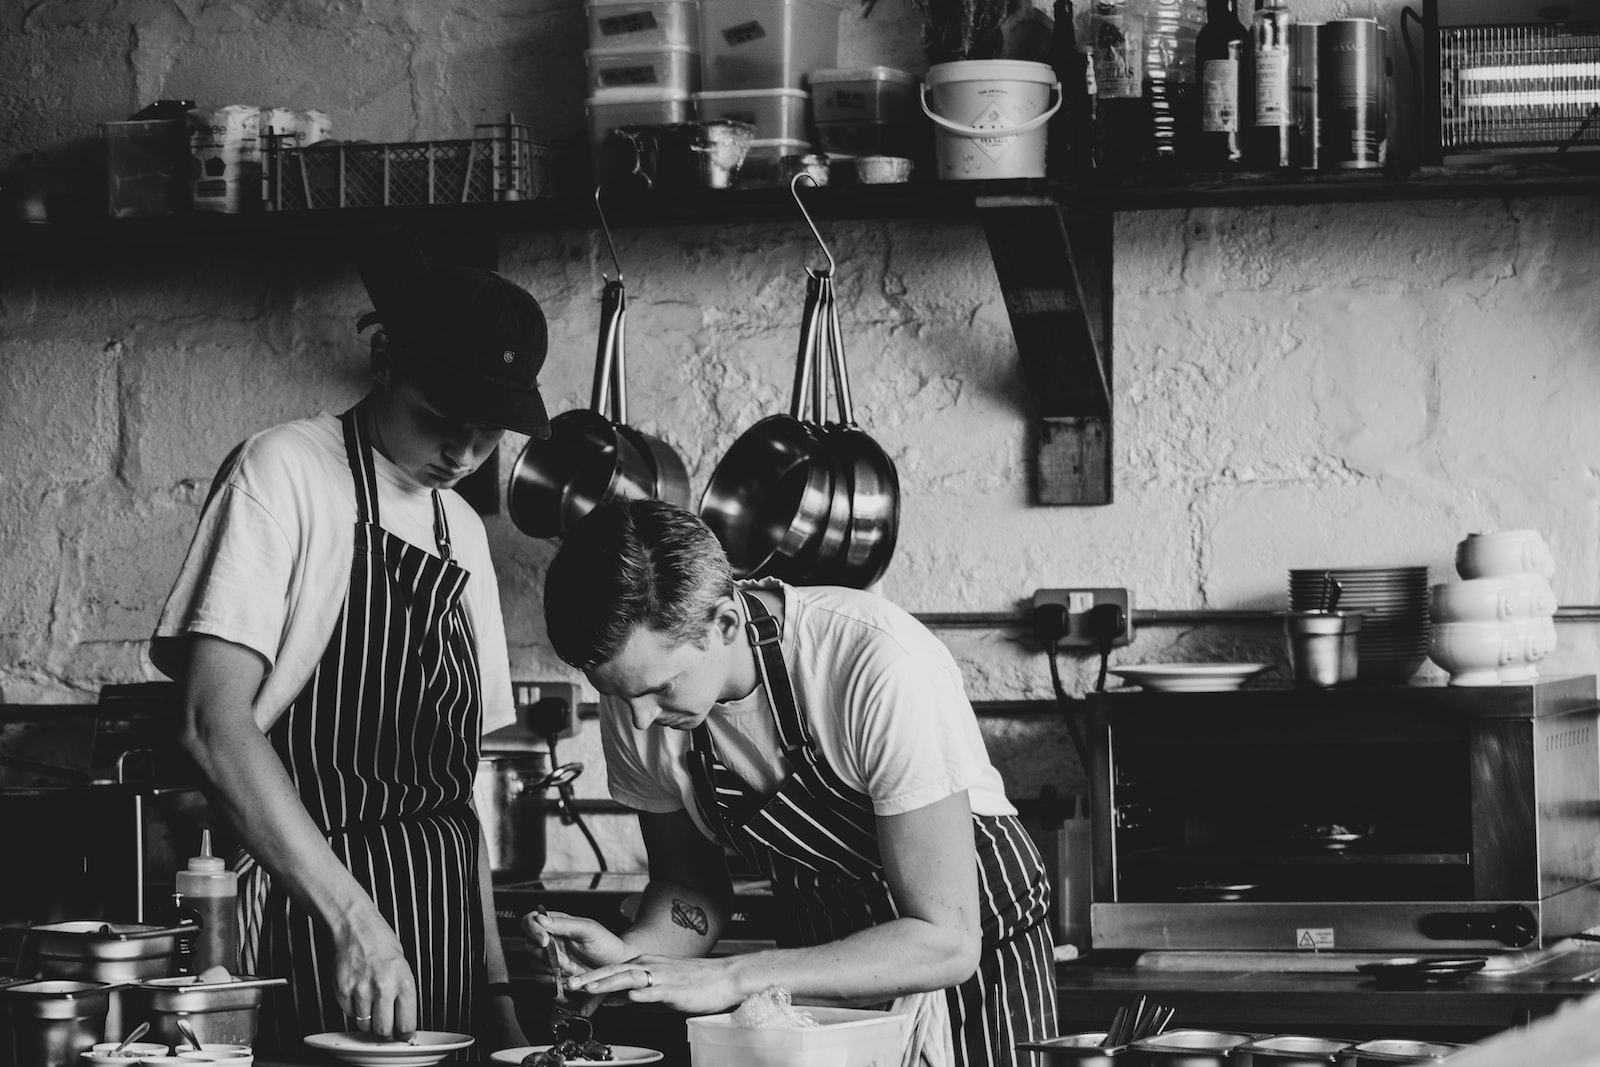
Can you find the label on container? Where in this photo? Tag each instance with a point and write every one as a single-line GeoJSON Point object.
{"type": "Point", "coordinates": [1119, 56]}
{"type": "Point", "coordinates": [1219, 96]}
{"type": "Point", "coordinates": [632, 22]}
{"type": "Point", "coordinates": [612, 77]}
{"type": "Point", "coordinates": [744, 33]}
{"type": "Point", "coordinates": [1272, 86]}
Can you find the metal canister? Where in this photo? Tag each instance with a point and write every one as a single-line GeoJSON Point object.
{"type": "Point", "coordinates": [1305, 133]}
{"type": "Point", "coordinates": [1351, 58]}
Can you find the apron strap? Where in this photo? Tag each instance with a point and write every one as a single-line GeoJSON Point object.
{"type": "Point", "coordinates": [359, 456]}
{"type": "Point", "coordinates": [366, 481]}
{"type": "Point", "coordinates": [764, 631]}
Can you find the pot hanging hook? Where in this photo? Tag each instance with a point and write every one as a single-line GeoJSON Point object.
{"type": "Point", "coordinates": [606, 229]}
{"type": "Point", "coordinates": [794, 190]}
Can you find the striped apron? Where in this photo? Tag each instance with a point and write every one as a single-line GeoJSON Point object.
{"type": "Point", "coordinates": [382, 744]}
{"type": "Point", "coordinates": [816, 838]}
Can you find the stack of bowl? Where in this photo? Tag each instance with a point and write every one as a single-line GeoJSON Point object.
{"type": "Point", "coordinates": [1393, 602]}
{"type": "Point", "coordinates": [1496, 624]}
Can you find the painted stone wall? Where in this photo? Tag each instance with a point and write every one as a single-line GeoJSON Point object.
{"type": "Point", "coordinates": [1294, 387]}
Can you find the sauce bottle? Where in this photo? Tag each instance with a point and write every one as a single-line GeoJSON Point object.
{"type": "Point", "coordinates": [207, 892]}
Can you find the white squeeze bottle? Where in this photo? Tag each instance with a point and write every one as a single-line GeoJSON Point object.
{"type": "Point", "coordinates": [208, 892]}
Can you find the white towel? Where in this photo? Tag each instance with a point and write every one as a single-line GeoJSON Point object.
{"type": "Point", "coordinates": [927, 1029]}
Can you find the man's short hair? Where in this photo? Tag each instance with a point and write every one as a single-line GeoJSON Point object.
{"type": "Point", "coordinates": [631, 564]}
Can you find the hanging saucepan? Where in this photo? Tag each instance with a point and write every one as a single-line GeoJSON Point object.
{"type": "Point", "coordinates": [585, 461]}
{"type": "Point", "coordinates": [768, 499]}
{"type": "Point", "coordinates": [864, 476]}
{"type": "Point", "coordinates": [671, 481]}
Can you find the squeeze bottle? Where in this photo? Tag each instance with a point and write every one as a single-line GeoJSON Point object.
{"type": "Point", "coordinates": [207, 891]}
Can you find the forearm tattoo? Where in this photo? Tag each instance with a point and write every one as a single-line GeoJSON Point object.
{"type": "Point", "coordinates": [690, 917]}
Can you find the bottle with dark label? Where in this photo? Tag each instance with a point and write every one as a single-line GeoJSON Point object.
{"type": "Point", "coordinates": [1221, 55]}
{"type": "Point", "coordinates": [1122, 114]}
{"type": "Point", "coordinates": [1272, 127]}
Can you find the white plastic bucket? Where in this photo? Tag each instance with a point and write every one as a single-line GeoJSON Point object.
{"type": "Point", "coordinates": [989, 116]}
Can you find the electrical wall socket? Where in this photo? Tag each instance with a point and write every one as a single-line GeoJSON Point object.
{"type": "Point", "coordinates": [526, 694]}
{"type": "Point", "coordinates": [1078, 602]}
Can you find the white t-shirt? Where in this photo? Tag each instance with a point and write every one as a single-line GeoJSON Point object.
{"type": "Point", "coordinates": [269, 566]}
{"type": "Point", "coordinates": [883, 697]}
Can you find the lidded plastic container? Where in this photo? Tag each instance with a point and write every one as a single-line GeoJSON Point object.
{"type": "Point", "coordinates": [209, 892]}
{"type": "Point", "coordinates": [643, 23]}
{"type": "Point", "coordinates": [641, 107]}
{"type": "Point", "coordinates": [777, 114]}
{"type": "Point", "coordinates": [766, 44]}
{"type": "Point", "coordinates": [869, 94]}
{"type": "Point", "coordinates": [668, 69]}
{"type": "Point", "coordinates": [844, 1037]}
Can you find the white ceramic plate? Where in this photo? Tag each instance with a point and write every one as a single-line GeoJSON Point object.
{"type": "Point", "coordinates": [359, 1050]}
{"type": "Point", "coordinates": [622, 1055]}
{"type": "Point", "coordinates": [1189, 677]}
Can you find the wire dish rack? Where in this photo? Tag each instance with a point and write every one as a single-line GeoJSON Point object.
{"type": "Point", "coordinates": [502, 162]}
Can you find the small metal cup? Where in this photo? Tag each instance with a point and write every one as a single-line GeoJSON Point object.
{"type": "Point", "coordinates": [1323, 646]}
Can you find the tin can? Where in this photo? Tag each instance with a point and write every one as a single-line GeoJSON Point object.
{"type": "Point", "coordinates": [1305, 131]}
{"type": "Point", "coordinates": [1351, 59]}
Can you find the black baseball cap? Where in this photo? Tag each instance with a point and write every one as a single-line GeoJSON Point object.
{"type": "Point", "coordinates": [473, 339]}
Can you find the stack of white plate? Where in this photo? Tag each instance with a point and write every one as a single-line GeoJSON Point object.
{"type": "Point", "coordinates": [1393, 602]}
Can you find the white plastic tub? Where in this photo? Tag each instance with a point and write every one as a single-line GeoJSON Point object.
{"type": "Point", "coordinates": [643, 23]}
{"type": "Point", "coordinates": [766, 44]}
{"type": "Point", "coordinates": [846, 1037]}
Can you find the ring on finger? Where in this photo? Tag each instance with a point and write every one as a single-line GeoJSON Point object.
{"type": "Point", "coordinates": [649, 979]}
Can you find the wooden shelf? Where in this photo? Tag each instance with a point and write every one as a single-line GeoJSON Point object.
{"type": "Point", "coordinates": [1051, 244]}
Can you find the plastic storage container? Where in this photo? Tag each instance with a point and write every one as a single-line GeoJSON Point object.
{"type": "Point", "coordinates": [845, 1037]}
{"type": "Point", "coordinates": [777, 114]}
{"type": "Point", "coordinates": [865, 138]}
{"type": "Point", "coordinates": [643, 107]}
{"type": "Point", "coordinates": [643, 23]}
{"type": "Point", "coordinates": [766, 44]}
{"type": "Point", "coordinates": [763, 164]}
{"type": "Point", "coordinates": [669, 69]}
{"type": "Point", "coordinates": [872, 94]}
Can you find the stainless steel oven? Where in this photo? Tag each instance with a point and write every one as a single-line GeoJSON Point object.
{"type": "Point", "coordinates": [1378, 818]}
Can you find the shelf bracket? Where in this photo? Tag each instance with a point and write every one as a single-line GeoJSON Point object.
{"type": "Point", "coordinates": [1054, 269]}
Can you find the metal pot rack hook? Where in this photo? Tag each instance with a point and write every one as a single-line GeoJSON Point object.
{"type": "Point", "coordinates": [605, 229]}
{"type": "Point", "coordinates": [794, 190]}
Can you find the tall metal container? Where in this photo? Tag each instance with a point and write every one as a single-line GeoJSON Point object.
{"type": "Point", "coordinates": [1352, 57]}
{"type": "Point", "coordinates": [52, 1022]}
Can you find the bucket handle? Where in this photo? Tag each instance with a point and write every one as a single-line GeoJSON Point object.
{"type": "Point", "coordinates": [974, 131]}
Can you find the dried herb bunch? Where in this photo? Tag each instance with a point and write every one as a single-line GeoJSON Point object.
{"type": "Point", "coordinates": [961, 29]}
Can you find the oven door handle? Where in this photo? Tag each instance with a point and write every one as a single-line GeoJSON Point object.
{"type": "Point", "coordinates": [1514, 926]}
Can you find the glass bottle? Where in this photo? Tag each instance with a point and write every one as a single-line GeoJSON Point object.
{"type": "Point", "coordinates": [1068, 147]}
{"type": "Point", "coordinates": [1221, 54]}
{"type": "Point", "coordinates": [1273, 124]}
{"type": "Point", "coordinates": [1122, 114]}
{"type": "Point", "coordinates": [1169, 33]}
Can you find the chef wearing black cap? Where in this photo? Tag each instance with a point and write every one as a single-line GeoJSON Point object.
{"type": "Point", "coordinates": [337, 630]}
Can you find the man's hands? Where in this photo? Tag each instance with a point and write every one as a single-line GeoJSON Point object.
{"type": "Point", "coordinates": [372, 979]}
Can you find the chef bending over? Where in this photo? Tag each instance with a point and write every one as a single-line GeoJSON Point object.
{"type": "Point", "coordinates": [825, 735]}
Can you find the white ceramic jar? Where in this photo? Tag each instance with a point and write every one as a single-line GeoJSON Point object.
{"type": "Point", "coordinates": [1488, 555]}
